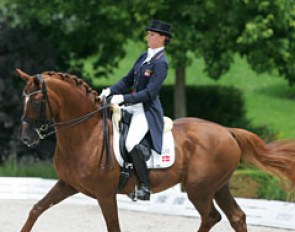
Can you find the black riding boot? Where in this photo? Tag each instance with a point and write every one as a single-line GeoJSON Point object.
{"type": "Point", "coordinates": [141, 170]}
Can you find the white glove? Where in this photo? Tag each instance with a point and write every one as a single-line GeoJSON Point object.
{"type": "Point", "coordinates": [105, 92]}
{"type": "Point", "coordinates": [117, 99]}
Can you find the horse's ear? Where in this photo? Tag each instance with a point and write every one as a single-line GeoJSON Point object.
{"type": "Point", "coordinates": [23, 75]}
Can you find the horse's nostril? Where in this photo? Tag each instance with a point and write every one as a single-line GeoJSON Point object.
{"type": "Point", "coordinates": [25, 140]}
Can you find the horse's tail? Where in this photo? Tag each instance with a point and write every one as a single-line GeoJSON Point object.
{"type": "Point", "coordinates": [277, 157]}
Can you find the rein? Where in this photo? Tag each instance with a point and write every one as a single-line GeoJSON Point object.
{"type": "Point", "coordinates": [67, 124]}
{"type": "Point", "coordinates": [106, 138]}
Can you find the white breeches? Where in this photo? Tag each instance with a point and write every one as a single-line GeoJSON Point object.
{"type": "Point", "coordinates": [138, 126]}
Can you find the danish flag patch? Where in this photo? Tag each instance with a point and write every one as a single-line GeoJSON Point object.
{"type": "Point", "coordinates": [165, 158]}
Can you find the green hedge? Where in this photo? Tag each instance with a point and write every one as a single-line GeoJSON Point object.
{"type": "Point", "coordinates": [253, 183]}
{"type": "Point", "coordinates": [224, 105]}
{"type": "Point", "coordinates": [221, 104]}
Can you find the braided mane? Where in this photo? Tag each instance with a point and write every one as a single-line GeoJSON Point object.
{"type": "Point", "coordinates": [74, 80]}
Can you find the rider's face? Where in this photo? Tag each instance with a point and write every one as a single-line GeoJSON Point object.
{"type": "Point", "coordinates": [155, 39]}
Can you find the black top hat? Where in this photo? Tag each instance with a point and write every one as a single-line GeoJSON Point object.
{"type": "Point", "coordinates": [160, 26]}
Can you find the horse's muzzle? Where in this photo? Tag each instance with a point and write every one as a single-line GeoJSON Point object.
{"type": "Point", "coordinates": [29, 137]}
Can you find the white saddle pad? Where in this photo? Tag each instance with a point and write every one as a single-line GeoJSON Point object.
{"type": "Point", "coordinates": [165, 160]}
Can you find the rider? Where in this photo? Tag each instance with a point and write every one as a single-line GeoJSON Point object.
{"type": "Point", "coordinates": [146, 78]}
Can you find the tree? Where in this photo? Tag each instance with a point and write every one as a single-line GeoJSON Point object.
{"type": "Point", "coordinates": [79, 29]}
{"type": "Point", "coordinates": [262, 31]}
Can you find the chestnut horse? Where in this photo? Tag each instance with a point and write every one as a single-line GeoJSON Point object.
{"type": "Point", "coordinates": [207, 154]}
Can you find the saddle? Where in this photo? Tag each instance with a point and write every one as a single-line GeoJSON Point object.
{"type": "Point", "coordinates": [121, 120]}
{"type": "Point", "coordinates": [145, 147]}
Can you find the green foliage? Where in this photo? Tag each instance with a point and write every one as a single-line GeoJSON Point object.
{"type": "Point", "coordinates": [268, 186]}
{"type": "Point", "coordinates": [262, 31]}
{"type": "Point", "coordinates": [219, 104]}
{"type": "Point", "coordinates": [269, 100]}
{"type": "Point", "coordinates": [78, 29]}
{"type": "Point", "coordinates": [268, 36]}
{"type": "Point", "coordinates": [40, 169]}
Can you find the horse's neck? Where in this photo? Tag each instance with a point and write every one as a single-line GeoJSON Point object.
{"type": "Point", "coordinates": [74, 103]}
{"type": "Point", "coordinates": [76, 142]}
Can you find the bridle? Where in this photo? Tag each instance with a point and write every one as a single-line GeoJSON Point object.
{"type": "Point", "coordinates": [44, 127]}
{"type": "Point", "coordinates": [41, 125]}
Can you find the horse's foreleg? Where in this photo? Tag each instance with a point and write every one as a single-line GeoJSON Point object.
{"type": "Point", "coordinates": [59, 192]}
{"type": "Point", "coordinates": [231, 209]}
{"type": "Point", "coordinates": [109, 210]}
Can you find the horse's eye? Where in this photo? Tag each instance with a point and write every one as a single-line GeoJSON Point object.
{"type": "Point", "coordinates": [34, 103]}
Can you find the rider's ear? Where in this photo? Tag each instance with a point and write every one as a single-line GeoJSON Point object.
{"type": "Point", "coordinates": [23, 75]}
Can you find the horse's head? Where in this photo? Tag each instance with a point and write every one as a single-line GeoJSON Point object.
{"type": "Point", "coordinates": [36, 109]}
{"type": "Point", "coordinates": [59, 96]}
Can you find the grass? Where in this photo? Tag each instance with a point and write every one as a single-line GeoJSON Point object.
{"type": "Point", "coordinates": [269, 99]}
{"type": "Point", "coordinates": [40, 169]}
{"type": "Point", "coordinates": [253, 183]}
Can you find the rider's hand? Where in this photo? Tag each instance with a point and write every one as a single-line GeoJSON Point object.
{"type": "Point", "coordinates": [105, 92]}
{"type": "Point", "coordinates": [117, 99]}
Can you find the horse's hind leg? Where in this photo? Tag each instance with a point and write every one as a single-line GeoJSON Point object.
{"type": "Point", "coordinates": [231, 209]}
{"type": "Point", "coordinates": [209, 214]}
{"type": "Point", "coordinates": [59, 192]}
